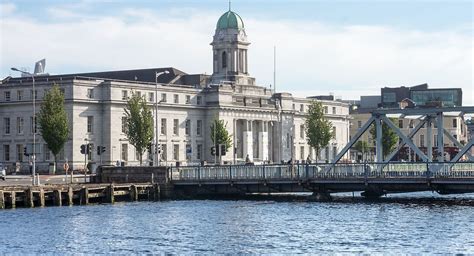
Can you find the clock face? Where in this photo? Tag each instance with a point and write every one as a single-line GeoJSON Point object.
{"type": "Point", "coordinates": [242, 35]}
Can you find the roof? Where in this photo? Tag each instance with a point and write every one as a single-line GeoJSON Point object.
{"type": "Point", "coordinates": [231, 20]}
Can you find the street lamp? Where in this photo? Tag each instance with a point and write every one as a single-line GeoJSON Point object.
{"type": "Point", "coordinates": [34, 124]}
{"type": "Point", "coordinates": [157, 74]}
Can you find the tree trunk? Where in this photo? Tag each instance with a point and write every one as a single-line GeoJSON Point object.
{"type": "Point", "coordinates": [54, 164]}
{"type": "Point", "coordinates": [141, 158]}
{"type": "Point", "coordinates": [317, 154]}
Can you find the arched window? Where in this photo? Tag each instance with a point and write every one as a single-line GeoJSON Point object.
{"type": "Point", "coordinates": [224, 60]}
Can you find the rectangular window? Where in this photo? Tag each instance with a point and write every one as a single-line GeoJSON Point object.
{"type": "Point", "coordinates": [411, 124]}
{"type": "Point", "coordinates": [33, 125]}
{"type": "Point", "coordinates": [35, 94]}
{"type": "Point", "coordinates": [7, 96]}
{"type": "Point", "coordinates": [61, 155]}
{"type": "Point", "coordinates": [301, 107]}
{"type": "Point", "coordinates": [334, 110]}
{"type": "Point", "coordinates": [176, 98]}
{"type": "Point", "coordinates": [175, 127]}
{"type": "Point", "coordinates": [326, 111]}
{"type": "Point", "coordinates": [199, 152]}
{"type": "Point", "coordinates": [176, 152]}
{"type": "Point", "coordinates": [187, 130]}
{"type": "Point", "coordinates": [287, 140]}
{"type": "Point", "coordinates": [334, 152]}
{"type": "Point", "coordinates": [19, 125]}
{"type": "Point", "coordinates": [19, 95]}
{"type": "Point", "coordinates": [302, 131]}
{"type": "Point", "coordinates": [90, 123]}
{"type": "Point", "coordinates": [139, 94]}
{"type": "Point", "coordinates": [455, 123]}
{"type": "Point", "coordinates": [19, 153]}
{"type": "Point", "coordinates": [326, 151]}
{"type": "Point", "coordinates": [151, 97]}
{"type": "Point", "coordinates": [163, 97]}
{"type": "Point", "coordinates": [188, 99]}
{"type": "Point", "coordinates": [334, 132]}
{"type": "Point", "coordinates": [302, 153]}
{"type": "Point", "coordinates": [400, 123]}
{"type": "Point", "coordinates": [46, 152]}
{"type": "Point", "coordinates": [359, 124]}
{"type": "Point", "coordinates": [90, 93]}
{"type": "Point", "coordinates": [6, 153]}
{"type": "Point", "coordinates": [188, 152]}
{"type": "Point", "coordinates": [164, 153]}
{"type": "Point", "coordinates": [294, 106]}
{"type": "Point", "coordinates": [124, 124]}
{"type": "Point", "coordinates": [124, 152]}
{"type": "Point", "coordinates": [422, 140]}
{"type": "Point", "coordinates": [198, 100]}
{"type": "Point", "coordinates": [199, 128]}
{"type": "Point", "coordinates": [6, 125]}
{"type": "Point", "coordinates": [163, 126]}
{"type": "Point", "coordinates": [124, 95]}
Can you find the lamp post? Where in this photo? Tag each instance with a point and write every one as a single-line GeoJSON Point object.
{"type": "Point", "coordinates": [157, 74]}
{"type": "Point", "coordinates": [33, 171]}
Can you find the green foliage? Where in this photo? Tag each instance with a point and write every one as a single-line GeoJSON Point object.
{"type": "Point", "coordinates": [318, 128]}
{"type": "Point", "coordinates": [389, 137]}
{"type": "Point", "coordinates": [139, 124]}
{"type": "Point", "coordinates": [222, 136]}
{"type": "Point", "coordinates": [53, 121]}
{"type": "Point", "coordinates": [362, 146]}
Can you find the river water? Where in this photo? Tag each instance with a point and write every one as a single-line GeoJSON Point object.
{"type": "Point", "coordinates": [244, 226]}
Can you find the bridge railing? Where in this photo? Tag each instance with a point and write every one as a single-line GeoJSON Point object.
{"type": "Point", "coordinates": [320, 171]}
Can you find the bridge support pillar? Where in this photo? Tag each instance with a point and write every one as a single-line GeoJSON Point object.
{"type": "Point", "coordinates": [320, 196]}
{"type": "Point", "coordinates": [372, 194]}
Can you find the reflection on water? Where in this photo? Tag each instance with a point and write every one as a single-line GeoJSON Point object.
{"type": "Point", "coordinates": [262, 226]}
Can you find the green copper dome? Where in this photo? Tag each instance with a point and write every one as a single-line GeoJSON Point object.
{"type": "Point", "coordinates": [230, 19]}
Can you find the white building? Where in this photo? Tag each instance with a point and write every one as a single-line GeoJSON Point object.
{"type": "Point", "coordinates": [265, 125]}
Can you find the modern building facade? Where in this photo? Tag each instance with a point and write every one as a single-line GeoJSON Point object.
{"type": "Point", "coordinates": [266, 126]}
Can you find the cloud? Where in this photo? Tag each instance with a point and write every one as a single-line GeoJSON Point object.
{"type": "Point", "coordinates": [6, 9]}
{"type": "Point", "coordinates": [312, 57]}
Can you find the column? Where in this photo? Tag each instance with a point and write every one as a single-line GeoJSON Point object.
{"type": "Point", "coordinates": [439, 117]}
{"type": "Point", "coordinates": [248, 140]}
{"type": "Point", "coordinates": [378, 139]}
{"type": "Point", "coordinates": [429, 135]}
{"type": "Point", "coordinates": [263, 141]}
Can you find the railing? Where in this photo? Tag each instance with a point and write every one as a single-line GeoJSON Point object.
{"type": "Point", "coordinates": [318, 171]}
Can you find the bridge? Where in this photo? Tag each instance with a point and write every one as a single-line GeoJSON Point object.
{"type": "Point", "coordinates": [372, 179]}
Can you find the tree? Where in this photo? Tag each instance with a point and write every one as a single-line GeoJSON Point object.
{"type": "Point", "coordinates": [53, 121]}
{"type": "Point", "coordinates": [139, 124]}
{"type": "Point", "coordinates": [318, 128]}
{"type": "Point", "coordinates": [363, 147]}
{"type": "Point", "coordinates": [389, 137]}
{"type": "Point", "coordinates": [221, 135]}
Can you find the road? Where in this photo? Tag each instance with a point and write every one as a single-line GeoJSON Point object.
{"type": "Point", "coordinates": [44, 179]}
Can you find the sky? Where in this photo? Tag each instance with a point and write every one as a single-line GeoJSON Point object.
{"type": "Point", "coordinates": [347, 48]}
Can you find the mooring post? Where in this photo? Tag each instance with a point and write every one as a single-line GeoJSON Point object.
{"type": "Point", "coordinates": [57, 197]}
{"type": "Point", "coordinates": [29, 198]}
{"type": "Point", "coordinates": [2, 200]}
{"type": "Point", "coordinates": [70, 196]}
{"type": "Point", "coordinates": [85, 196]}
{"type": "Point", "coordinates": [110, 194]}
{"type": "Point", "coordinates": [133, 193]}
{"type": "Point", "coordinates": [13, 198]}
{"type": "Point", "coordinates": [41, 197]}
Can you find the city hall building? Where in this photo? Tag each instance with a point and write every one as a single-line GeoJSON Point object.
{"type": "Point", "coordinates": [265, 125]}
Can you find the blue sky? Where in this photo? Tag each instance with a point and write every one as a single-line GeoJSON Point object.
{"type": "Point", "coordinates": [348, 48]}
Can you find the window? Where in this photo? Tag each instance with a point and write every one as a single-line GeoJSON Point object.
{"type": "Point", "coordinates": [7, 96]}
{"type": "Point", "coordinates": [163, 97]}
{"type": "Point", "coordinates": [400, 123]}
{"type": "Point", "coordinates": [199, 128]}
{"type": "Point", "coordinates": [164, 153]}
{"type": "Point", "coordinates": [188, 152]}
{"type": "Point", "coordinates": [124, 124]}
{"type": "Point", "coordinates": [326, 110]}
{"type": "Point", "coordinates": [455, 136]}
{"type": "Point", "coordinates": [19, 153]}
{"type": "Point", "coordinates": [326, 151]}
{"type": "Point", "coordinates": [163, 126]}
{"type": "Point", "coordinates": [188, 99]}
{"type": "Point", "coordinates": [359, 124]}
{"type": "Point", "coordinates": [302, 131]}
{"type": "Point", "coordinates": [176, 152]}
{"type": "Point", "coordinates": [198, 100]}
{"type": "Point", "coordinates": [90, 93]}
{"type": "Point", "coordinates": [411, 124]}
{"type": "Point", "coordinates": [334, 152]}
{"type": "Point", "coordinates": [90, 120]}
{"type": "Point", "coordinates": [334, 132]}
{"type": "Point", "coordinates": [46, 152]}
{"type": "Point", "coordinates": [224, 60]}
{"type": "Point", "coordinates": [35, 94]}
{"type": "Point", "coordinates": [187, 130]}
{"type": "Point", "coordinates": [125, 152]}
{"type": "Point", "coordinates": [435, 140]}
{"type": "Point", "coordinates": [33, 126]}
{"type": "Point", "coordinates": [124, 95]}
{"type": "Point", "coordinates": [422, 140]}
{"type": "Point", "coordinates": [63, 91]}
{"type": "Point", "coordinates": [6, 153]}
{"type": "Point", "coordinates": [199, 152]}
{"type": "Point", "coordinates": [19, 95]}
{"type": "Point", "coordinates": [334, 110]}
{"type": "Point", "coordinates": [455, 123]}
{"type": "Point", "coordinates": [151, 97]}
{"type": "Point", "coordinates": [19, 125]}
{"type": "Point", "coordinates": [302, 153]}
{"type": "Point", "coordinates": [287, 140]}
{"type": "Point", "coordinates": [139, 94]}
{"type": "Point", "coordinates": [176, 98]}
{"type": "Point", "coordinates": [89, 155]}
{"type": "Point", "coordinates": [294, 106]}
{"type": "Point", "coordinates": [301, 107]}
{"type": "Point", "coordinates": [175, 127]}
{"type": "Point", "coordinates": [6, 125]}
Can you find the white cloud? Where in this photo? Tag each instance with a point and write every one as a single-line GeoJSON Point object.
{"type": "Point", "coordinates": [311, 57]}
